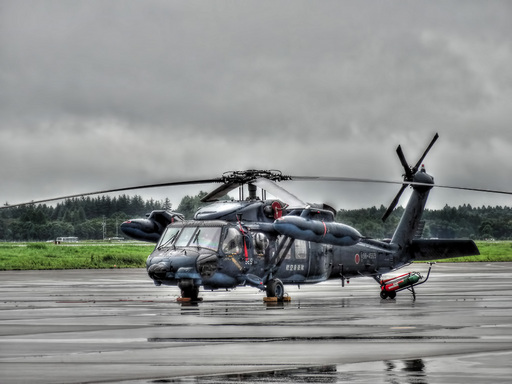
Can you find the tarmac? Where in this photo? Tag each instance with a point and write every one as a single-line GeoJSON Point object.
{"type": "Point", "coordinates": [102, 326]}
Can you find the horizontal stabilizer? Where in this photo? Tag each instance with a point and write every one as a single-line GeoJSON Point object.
{"type": "Point", "coordinates": [434, 249]}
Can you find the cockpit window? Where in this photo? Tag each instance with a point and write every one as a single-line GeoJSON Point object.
{"type": "Point", "coordinates": [202, 237]}
{"type": "Point", "coordinates": [207, 237]}
{"type": "Point", "coordinates": [185, 236]}
{"type": "Point", "coordinates": [168, 237]}
{"type": "Point", "coordinates": [232, 243]}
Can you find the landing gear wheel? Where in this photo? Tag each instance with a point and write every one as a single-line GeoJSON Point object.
{"type": "Point", "coordinates": [383, 295]}
{"type": "Point", "coordinates": [275, 288]}
{"type": "Point", "coordinates": [189, 291]}
{"type": "Point", "coordinates": [392, 295]}
{"type": "Point", "coordinates": [192, 293]}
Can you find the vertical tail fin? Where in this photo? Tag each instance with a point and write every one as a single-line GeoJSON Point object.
{"type": "Point", "coordinates": [411, 218]}
{"type": "Point", "coordinates": [421, 183]}
{"type": "Point", "coordinates": [409, 175]}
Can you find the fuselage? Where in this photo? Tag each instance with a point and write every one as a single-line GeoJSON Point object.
{"type": "Point", "coordinates": [233, 243]}
{"type": "Point", "coordinates": [221, 254]}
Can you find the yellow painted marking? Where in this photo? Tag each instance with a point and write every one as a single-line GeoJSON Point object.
{"type": "Point", "coordinates": [235, 262]}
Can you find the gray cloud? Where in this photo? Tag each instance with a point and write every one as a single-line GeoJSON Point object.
{"type": "Point", "coordinates": [99, 94]}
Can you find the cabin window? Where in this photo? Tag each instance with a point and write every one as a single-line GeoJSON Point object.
{"type": "Point", "coordinates": [232, 243]}
{"type": "Point", "coordinates": [301, 249]}
{"type": "Point", "coordinates": [261, 243]}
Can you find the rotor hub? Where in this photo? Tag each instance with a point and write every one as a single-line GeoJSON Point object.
{"type": "Point", "coordinates": [426, 181]}
{"type": "Point", "coordinates": [245, 177]}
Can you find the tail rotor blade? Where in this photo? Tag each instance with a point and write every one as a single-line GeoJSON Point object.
{"type": "Point", "coordinates": [407, 168]}
{"type": "Point", "coordinates": [394, 203]}
{"type": "Point", "coordinates": [416, 167]}
{"type": "Point", "coordinates": [409, 174]}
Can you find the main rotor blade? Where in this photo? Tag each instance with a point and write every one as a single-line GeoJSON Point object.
{"type": "Point", "coordinates": [464, 188]}
{"type": "Point", "coordinates": [279, 192]}
{"type": "Point", "coordinates": [274, 189]}
{"type": "Point", "coordinates": [220, 191]}
{"type": "Point", "coordinates": [377, 181]}
{"type": "Point", "coordinates": [380, 181]}
{"type": "Point", "coordinates": [145, 186]}
{"type": "Point", "coordinates": [343, 179]}
{"type": "Point", "coordinates": [416, 167]}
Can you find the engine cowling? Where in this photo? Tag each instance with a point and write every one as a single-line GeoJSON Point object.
{"type": "Point", "coordinates": [151, 228]}
{"type": "Point", "coordinates": [317, 231]}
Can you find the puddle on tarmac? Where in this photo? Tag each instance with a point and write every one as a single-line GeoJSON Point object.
{"type": "Point", "coordinates": [320, 374]}
{"type": "Point", "coordinates": [457, 369]}
{"type": "Point", "coordinates": [408, 371]}
{"type": "Point", "coordinates": [468, 369]}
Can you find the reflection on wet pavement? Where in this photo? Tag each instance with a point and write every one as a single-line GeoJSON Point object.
{"type": "Point", "coordinates": [322, 374]}
{"type": "Point", "coordinates": [452, 370]}
{"type": "Point", "coordinates": [114, 326]}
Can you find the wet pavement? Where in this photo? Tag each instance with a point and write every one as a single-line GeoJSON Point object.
{"type": "Point", "coordinates": [90, 326]}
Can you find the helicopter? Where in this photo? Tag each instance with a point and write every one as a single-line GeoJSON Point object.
{"type": "Point", "coordinates": [269, 243]}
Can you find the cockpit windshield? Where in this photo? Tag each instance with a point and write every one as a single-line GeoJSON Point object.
{"type": "Point", "coordinates": [168, 237]}
{"type": "Point", "coordinates": [193, 236]}
{"type": "Point", "coordinates": [206, 237]}
{"type": "Point", "coordinates": [185, 236]}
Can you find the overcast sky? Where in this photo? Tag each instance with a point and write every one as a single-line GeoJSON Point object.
{"type": "Point", "coordinates": [104, 94]}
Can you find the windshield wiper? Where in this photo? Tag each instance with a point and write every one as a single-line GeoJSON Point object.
{"type": "Point", "coordinates": [196, 238]}
{"type": "Point", "coordinates": [173, 237]}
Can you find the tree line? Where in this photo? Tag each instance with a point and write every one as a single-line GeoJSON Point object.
{"type": "Point", "coordinates": [464, 221]}
{"type": "Point", "coordinates": [98, 218]}
{"type": "Point", "coordinates": [86, 218]}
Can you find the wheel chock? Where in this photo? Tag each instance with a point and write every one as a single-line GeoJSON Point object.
{"type": "Point", "coordinates": [188, 300]}
{"type": "Point", "coordinates": [285, 299]}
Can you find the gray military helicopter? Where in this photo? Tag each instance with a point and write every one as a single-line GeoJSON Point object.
{"type": "Point", "coordinates": [267, 243]}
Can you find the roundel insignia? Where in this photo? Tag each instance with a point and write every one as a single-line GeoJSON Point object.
{"type": "Point", "coordinates": [357, 259]}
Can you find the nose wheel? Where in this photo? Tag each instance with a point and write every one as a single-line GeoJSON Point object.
{"type": "Point", "coordinates": [189, 291]}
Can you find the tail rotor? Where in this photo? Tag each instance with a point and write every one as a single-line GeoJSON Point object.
{"type": "Point", "coordinates": [408, 175]}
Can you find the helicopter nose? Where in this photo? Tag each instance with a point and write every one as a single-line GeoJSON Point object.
{"type": "Point", "coordinates": [159, 270]}
{"type": "Point", "coordinates": [172, 267]}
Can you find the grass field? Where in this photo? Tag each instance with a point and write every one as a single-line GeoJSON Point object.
{"type": "Point", "coordinates": [28, 256]}
{"type": "Point", "coordinates": [489, 251]}
{"type": "Point", "coordinates": [25, 256]}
